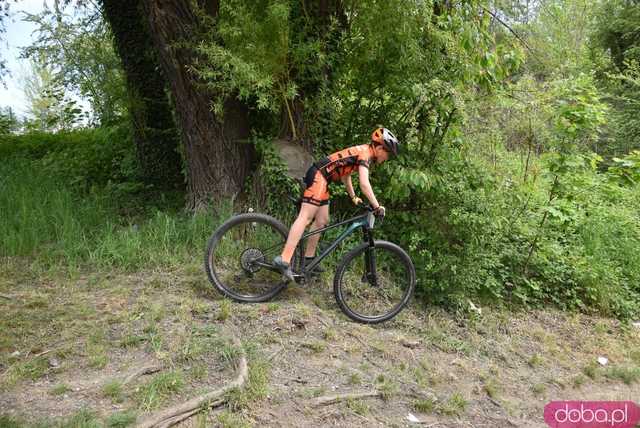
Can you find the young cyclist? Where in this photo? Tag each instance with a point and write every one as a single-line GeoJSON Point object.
{"type": "Point", "coordinates": [315, 202]}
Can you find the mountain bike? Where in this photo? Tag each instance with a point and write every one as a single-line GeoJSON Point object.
{"type": "Point", "coordinates": [373, 281]}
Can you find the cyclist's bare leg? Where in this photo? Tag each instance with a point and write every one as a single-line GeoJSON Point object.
{"type": "Point", "coordinates": [321, 220]}
{"type": "Point", "coordinates": [307, 212]}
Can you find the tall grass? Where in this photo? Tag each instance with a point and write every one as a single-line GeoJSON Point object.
{"type": "Point", "coordinates": [45, 219]}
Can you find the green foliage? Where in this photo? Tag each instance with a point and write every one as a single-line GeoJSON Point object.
{"type": "Point", "coordinates": [8, 121]}
{"type": "Point", "coordinates": [50, 108]}
{"type": "Point", "coordinates": [271, 186]}
{"type": "Point", "coordinates": [83, 159]}
{"type": "Point", "coordinates": [580, 112]}
{"type": "Point", "coordinates": [626, 170]}
{"type": "Point", "coordinates": [73, 198]}
{"type": "Point", "coordinates": [160, 388]}
{"type": "Point", "coordinates": [615, 50]}
{"type": "Point", "coordinates": [558, 36]}
{"type": "Point", "coordinates": [75, 43]}
{"type": "Point", "coordinates": [249, 54]}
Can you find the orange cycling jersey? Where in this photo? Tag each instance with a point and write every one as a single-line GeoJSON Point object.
{"type": "Point", "coordinates": [342, 163]}
{"type": "Point", "coordinates": [332, 168]}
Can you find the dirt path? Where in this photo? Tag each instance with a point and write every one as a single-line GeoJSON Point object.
{"type": "Point", "coordinates": [497, 369]}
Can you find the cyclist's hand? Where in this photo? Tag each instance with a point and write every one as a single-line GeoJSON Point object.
{"type": "Point", "coordinates": [380, 211]}
{"type": "Point", "coordinates": [356, 200]}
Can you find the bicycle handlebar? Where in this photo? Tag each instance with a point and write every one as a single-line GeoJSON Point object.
{"type": "Point", "coordinates": [369, 208]}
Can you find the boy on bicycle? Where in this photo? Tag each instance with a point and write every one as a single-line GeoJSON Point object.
{"type": "Point", "coordinates": [333, 168]}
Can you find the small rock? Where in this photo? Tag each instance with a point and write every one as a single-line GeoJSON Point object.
{"type": "Point", "coordinates": [15, 354]}
{"type": "Point", "coordinates": [298, 323]}
{"type": "Point", "coordinates": [413, 344]}
{"type": "Point", "coordinates": [603, 361]}
{"type": "Point", "coordinates": [412, 418]}
{"type": "Point", "coordinates": [53, 362]}
{"type": "Point", "coordinates": [474, 308]}
{"type": "Point", "coordinates": [636, 324]}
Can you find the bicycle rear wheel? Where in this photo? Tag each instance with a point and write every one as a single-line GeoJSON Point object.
{"type": "Point", "coordinates": [239, 254]}
{"type": "Point", "coordinates": [374, 296]}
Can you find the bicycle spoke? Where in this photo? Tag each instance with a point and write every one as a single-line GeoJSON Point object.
{"type": "Point", "coordinates": [238, 262]}
{"type": "Point", "coordinates": [382, 297]}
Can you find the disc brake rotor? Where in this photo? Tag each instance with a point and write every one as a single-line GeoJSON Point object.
{"type": "Point", "coordinates": [249, 259]}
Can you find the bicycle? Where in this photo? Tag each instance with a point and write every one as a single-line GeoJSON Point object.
{"type": "Point", "coordinates": [373, 282]}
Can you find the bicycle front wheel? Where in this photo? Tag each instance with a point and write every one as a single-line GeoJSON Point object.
{"type": "Point", "coordinates": [373, 284]}
{"type": "Point", "coordinates": [239, 255]}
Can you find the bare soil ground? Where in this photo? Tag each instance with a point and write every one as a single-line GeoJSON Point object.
{"type": "Point", "coordinates": [71, 344]}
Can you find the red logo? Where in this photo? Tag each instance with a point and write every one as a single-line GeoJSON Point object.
{"type": "Point", "coordinates": [592, 414]}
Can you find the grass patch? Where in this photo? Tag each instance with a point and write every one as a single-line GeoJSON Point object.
{"type": "Point", "coordinates": [59, 389]}
{"type": "Point", "coordinates": [151, 395]}
{"type": "Point", "coordinates": [330, 334]}
{"type": "Point", "coordinates": [113, 390]}
{"type": "Point", "coordinates": [10, 422]}
{"type": "Point", "coordinates": [358, 407]}
{"type": "Point", "coordinates": [388, 389]}
{"type": "Point", "coordinates": [82, 419]}
{"type": "Point", "coordinates": [491, 388]}
{"type": "Point", "coordinates": [224, 311]}
{"type": "Point", "coordinates": [316, 346]}
{"type": "Point", "coordinates": [273, 307]}
{"type": "Point", "coordinates": [538, 388]}
{"type": "Point", "coordinates": [32, 369]}
{"type": "Point", "coordinates": [255, 389]}
{"type": "Point", "coordinates": [355, 379]}
{"type": "Point", "coordinates": [454, 406]}
{"type": "Point", "coordinates": [628, 375]}
{"type": "Point", "coordinates": [635, 356]}
{"type": "Point", "coordinates": [579, 380]}
{"type": "Point", "coordinates": [199, 372]}
{"type": "Point", "coordinates": [591, 370]}
{"type": "Point", "coordinates": [97, 357]}
{"type": "Point", "coordinates": [446, 342]}
{"type": "Point", "coordinates": [121, 420]}
{"type": "Point", "coordinates": [131, 340]}
{"type": "Point", "coordinates": [228, 419]}
{"type": "Point", "coordinates": [313, 392]}
{"type": "Point", "coordinates": [426, 405]}
{"type": "Point", "coordinates": [229, 353]}
{"type": "Point", "coordinates": [535, 361]}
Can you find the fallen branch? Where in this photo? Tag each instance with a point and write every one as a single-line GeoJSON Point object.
{"type": "Point", "coordinates": [180, 412]}
{"type": "Point", "coordinates": [331, 399]}
{"type": "Point", "coordinates": [153, 368]}
{"type": "Point", "coordinates": [40, 354]}
{"type": "Point", "coordinates": [6, 296]}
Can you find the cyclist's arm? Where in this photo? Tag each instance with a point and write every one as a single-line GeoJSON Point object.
{"type": "Point", "coordinates": [365, 186]}
{"type": "Point", "coordinates": [349, 184]}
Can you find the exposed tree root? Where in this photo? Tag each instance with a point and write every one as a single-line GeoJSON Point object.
{"type": "Point", "coordinates": [153, 368]}
{"type": "Point", "coordinates": [331, 399]}
{"type": "Point", "coordinates": [171, 416]}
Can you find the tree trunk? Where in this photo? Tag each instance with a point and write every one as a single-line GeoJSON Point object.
{"type": "Point", "coordinates": [312, 20]}
{"type": "Point", "coordinates": [154, 130]}
{"type": "Point", "coordinates": [217, 161]}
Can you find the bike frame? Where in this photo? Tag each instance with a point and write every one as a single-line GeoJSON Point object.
{"type": "Point", "coordinates": [364, 221]}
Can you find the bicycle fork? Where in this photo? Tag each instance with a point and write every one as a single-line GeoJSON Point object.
{"type": "Point", "coordinates": [370, 274]}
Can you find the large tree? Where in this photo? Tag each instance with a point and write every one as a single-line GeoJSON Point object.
{"type": "Point", "coordinates": [154, 129]}
{"type": "Point", "coordinates": [217, 160]}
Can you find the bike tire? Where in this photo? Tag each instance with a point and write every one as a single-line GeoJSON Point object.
{"type": "Point", "coordinates": [404, 266]}
{"type": "Point", "coordinates": [215, 240]}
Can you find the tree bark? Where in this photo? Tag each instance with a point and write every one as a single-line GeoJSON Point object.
{"type": "Point", "coordinates": [154, 130]}
{"type": "Point", "coordinates": [217, 161]}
